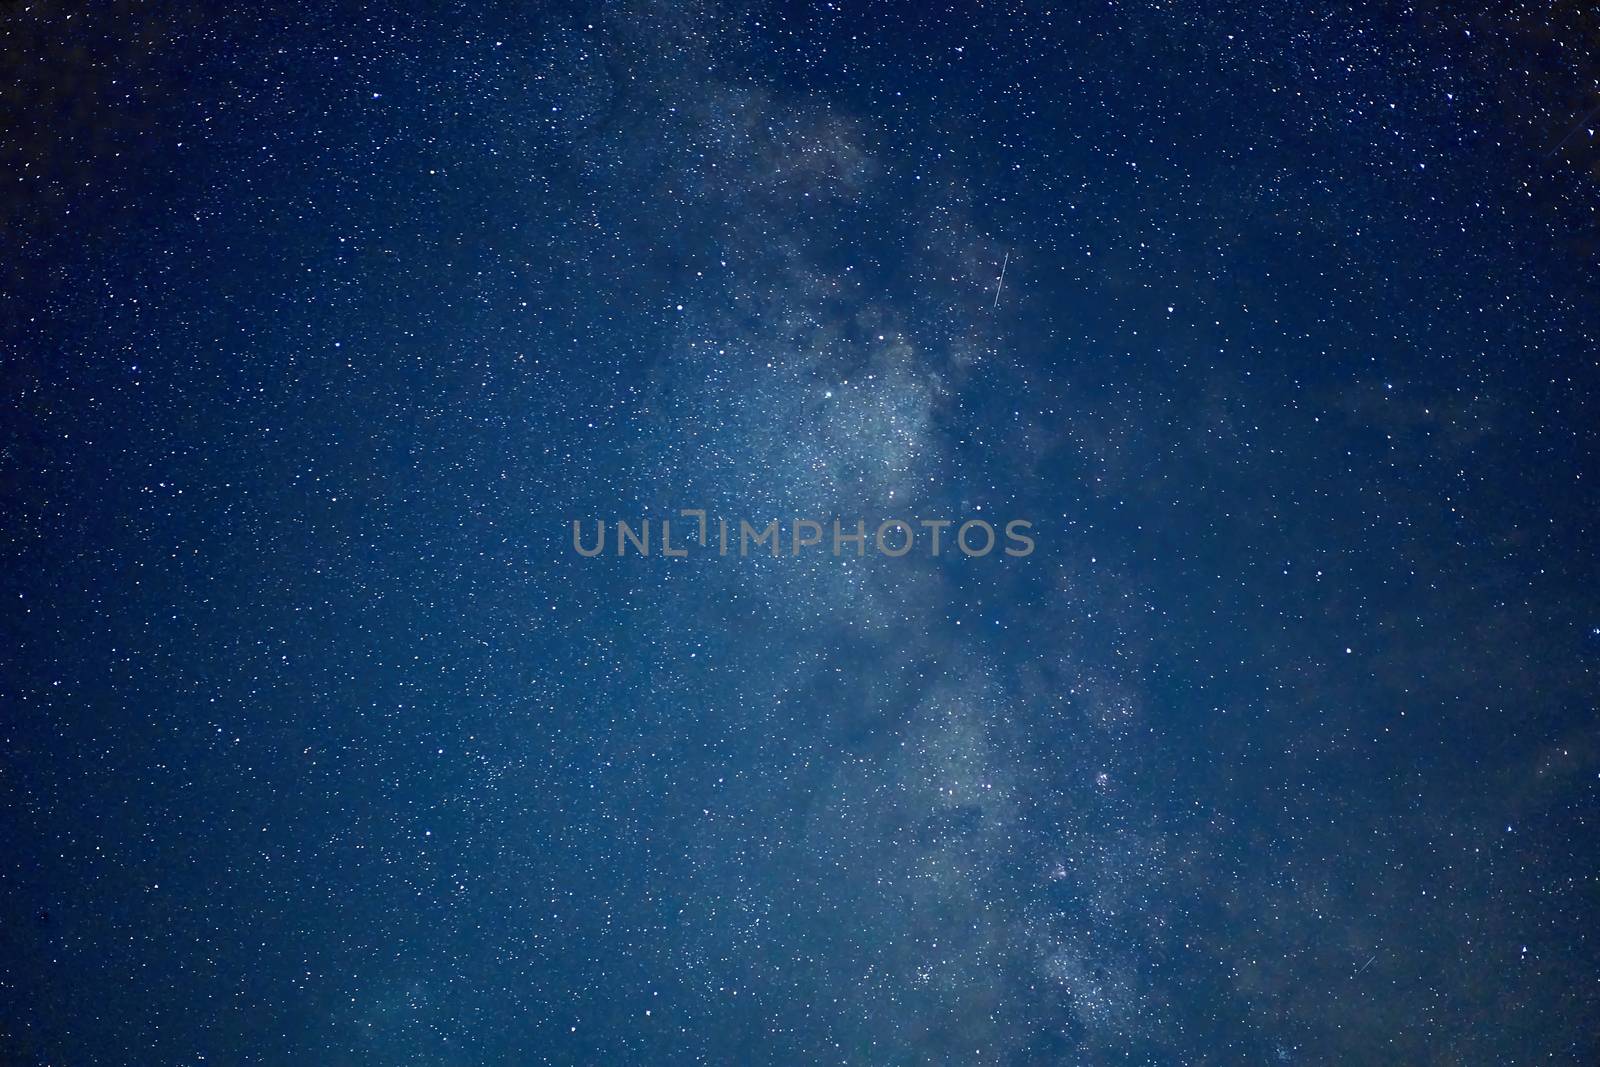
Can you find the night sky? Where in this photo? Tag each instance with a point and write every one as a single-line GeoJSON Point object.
{"type": "Point", "coordinates": [320, 326]}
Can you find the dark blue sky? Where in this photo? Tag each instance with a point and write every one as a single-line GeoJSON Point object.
{"type": "Point", "coordinates": [319, 328]}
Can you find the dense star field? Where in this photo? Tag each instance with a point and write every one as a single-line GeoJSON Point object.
{"type": "Point", "coordinates": [321, 326]}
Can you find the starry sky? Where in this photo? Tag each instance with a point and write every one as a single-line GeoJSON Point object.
{"type": "Point", "coordinates": [321, 324]}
